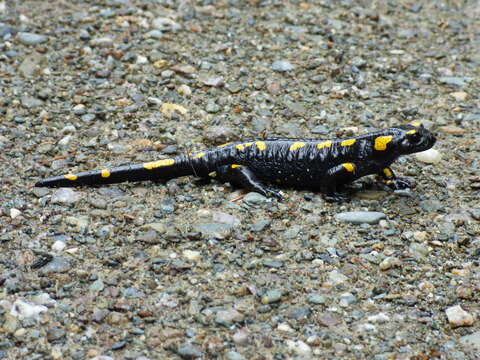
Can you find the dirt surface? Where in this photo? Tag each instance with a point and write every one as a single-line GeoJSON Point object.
{"type": "Point", "coordinates": [182, 270]}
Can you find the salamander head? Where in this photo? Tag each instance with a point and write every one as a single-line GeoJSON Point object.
{"type": "Point", "coordinates": [411, 139]}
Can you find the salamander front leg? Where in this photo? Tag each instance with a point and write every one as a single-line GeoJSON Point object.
{"type": "Point", "coordinates": [242, 176]}
{"type": "Point", "coordinates": [393, 182]}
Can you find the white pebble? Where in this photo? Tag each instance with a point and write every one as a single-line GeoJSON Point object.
{"type": "Point", "coordinates": [142, 59]}
{"type": "Point", "coordinates": [299, 348]}
{"type": "Point", "coordinates": [24, 310]}
{"type": "Point", "coordinates": [284, 327]}
{"type": "Point", "coordinates": [458, 317]}
{"type": "Point", "coordinates": [430, 156]}
{"type": "Point", "coordinates": [58, 246]}
{"type": "Point", "coordinates": [14, 213]}
{"type": "Point", "coordinates": [379, 318]}
{"type": "Point", "coordinates": [191, 255]}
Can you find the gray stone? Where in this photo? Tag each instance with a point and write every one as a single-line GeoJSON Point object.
{"type": "Point", "coordinates": [260, 225]}
{"type": "Point", "coordinates": [65, 196]}
{"type": "Point", "coordinates": [472, 340]}
{"type": "Point", "coordinates": [30, 102]}
{"type": "Point", "coordinates": [255, 199]}
{"type": "Point", "coordinates": [165, 24]}
{"type": "Point", "coordinates": [272, 296]}
{"type": "Point", "coordinates": [233, 355]}
{"type": "Point", "coordinates": [282, 66]}
{"type": "Point", "coordinates": [27, 38]}
{"type": "Point", "coordinates": [360, 217]}
{"type": "Point", "coordinates": [457, 81]}
{"type": "Point", "coordinates": [431, 206]}
{"type": "Point", "coordinates": [216, 230]}
{"type": "Point", "coordinates": [154, 34]}
{"type": "Point", "coordinates": [336, 277]}
{"type": "Point", "coordinates": [317, 299]}
{"type": "Point", "coordinates": [212, 107]}
{"type": "Point", "coordinates": [57, 265]}
{"type": "Point", "coordinates": [189, 352]}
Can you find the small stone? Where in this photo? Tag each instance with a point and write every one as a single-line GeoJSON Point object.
{"type": "Point", "coordinates": [55, 333]}
{"type": "Point", "coordinates": [103, 42]}
{"type": "Point", "coordinates": [431, 205]}
{"type": "Point", "coordinates": [335, 277]}
{"type": "Point", "coordinates": [301, 349]}
{"type": "Point", "coordinates": [96, 286]}
{"type": "Point", "coordinates": [32, 65]}
{"type": "Point", "coordinates": [30, 102]}
{"type": "Point", "coordinates": [379, 318]}
{"type": "Point", "coordinates": [272, 296]}
{"type": "Point", "coordinates": [472, 340]}
{"type": "Point", "coordinates": [419, 251]}
{"type": "Point", "coordinates": [282, 66]}
{"type": "Point", "coordinates": [455, 81]}
{"type": "Point", "coordinates": [233, 355]}
{"type": "Point", "coordinates": [464, 292]}
{"type": "Point", "coordinates": [25, 310]}
{"type": "Point", "coordinates": [224, 218]}
{"type": "Point", "coordinates": [191, 255]}
{"type": "Point", "coordinates": [14, 213]}
{"type": "Point", "coordinates": [388, 263]}
{"type": "Point", "coordinates": [241, 337]}
{"type": "Point", "coordinates": [260, 225]}
{"type": "Point", "coordinates": [65, 196]}
{"type": "Point", "coordinates": [329, 319]}
{"type": "Point", "coordinates": [317, 299]}
{"type": "Point", "coordinates": [460, 96]}
{"type": "Point", "coordinates": [170, 109]}
{"type": "Point", "coordinates": [58, 246]}
{"type": "Point", "coordinates": [212, 107]}
{"type": "Point", "coordinates": [347, 299]}
{"type": "Point", "coordinates": [57, 265]}
{"type": "Point", "coordinates": [360, 217]}
{"type": "Point", "coordinates": [184, 90]}
{"type": "Point", "coordinates": [228, 317]}
{"type": "Point", "coordinates": [420, 236]}
{"type": "Point", "coordinates": [165, 24]}
{"type": "Point", "coordinates": [234, 87]}
{"type": "Point", "coordinates": [220, 134]}
{"type": "Point", "coordinates": [284, 327]}
{"type": "Point", "coordinates": [255, 199]}
{"type": "Point", "coordinates": [154, 34]}
{"type": "Point", "coordinates": [215, 81]}
{"type": "Point", "coordinates": [189, 352]}
{"type": "Point", "coordinates": [27, 38]}
{"type": "Point", "coordinates": [458, 317]}
{"type": "Point", "coordinates": [452, 130]}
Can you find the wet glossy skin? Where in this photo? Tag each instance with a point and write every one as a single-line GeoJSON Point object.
{"type": "Point", "coordinates": [321, 165]}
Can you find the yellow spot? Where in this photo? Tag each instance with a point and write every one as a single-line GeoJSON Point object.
{"type": "Point", "coordinates": [248, 144]}
{"type": "Point", "coordinates": [105, 173]}
{"type": "Point", "coordinates": [388, 182]}
{"type": "Point", "coordinates": [297, 145]}
{"type": "Point", "coordinates": [348, 142]}
{"type": "Point", "coordinates": [234, 166]}
{"type": "Point", "coordinates": [416, 123]}
{"type": "Point", "coordinates": [199, 155]}
{"type": "Point", "coordinates": [261, 145]}
{"type": "Point", "coordinates": [410, 132]}
{"type": "Point", "coordinates": [381, 142]}
{"type": "Point", "coordinates": [278, 181]}
{"type": "Point", "coordinates": [223, 145]}
{"type": "Point", "coordinates": [212, 174]}
{"type": "Point", "coordinates": [70, 177]}
{"type": "Point", "coordinates": [349, 167]}
{"type": "Point", "coordinates": [240, 147]}
{"type": "Point", "coordinates": [325, 144]}
{"type": "Point", "coordinates": [387, 172]}
{"type": "Point", "coordinates": [159, 163]}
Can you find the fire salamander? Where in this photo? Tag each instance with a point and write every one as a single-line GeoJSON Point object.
{"type": "Point", "coordinates": [320, 165]}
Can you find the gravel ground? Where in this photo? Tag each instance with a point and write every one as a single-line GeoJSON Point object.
{"type": "Point", "coordinates": [182, 270]}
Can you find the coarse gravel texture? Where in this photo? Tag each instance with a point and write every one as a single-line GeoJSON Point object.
{"type": "Point", "coordinates": [186, 269]}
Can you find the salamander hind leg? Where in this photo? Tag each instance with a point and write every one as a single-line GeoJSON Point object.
{"type": "Point", "coordinates": [334, 179]}
{"type": "Point", "coordinates": [242, 176]}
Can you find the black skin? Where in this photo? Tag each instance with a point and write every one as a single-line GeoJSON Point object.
{"type": "Point", "coordinates": [320, 165]}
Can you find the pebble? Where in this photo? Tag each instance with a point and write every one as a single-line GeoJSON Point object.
{"type": "Point", "coordinates": [215, 81]}
{"type": "Point", "coordinates": [212, 107]}
{"type": "Point", "coordinates": [27, 38]}
{"type": "Point", "coordinates": [30, 102]}
{"type": "Point", "coordinates": [241, 337]}
{"type": "Point", "coordinates": [430, 156]}
{"type": "Point", "coordinates": [32, 65]}
{"type": "Point", "coordinates": [255, 199]}
{"type": "Point", "coordinates": [389, 262]}
{"type": "Point", "coordinates": [472, 340]}
{"type": "Point", "coordinates": [360, 217]}
{"type": "Point", "coordinates": [184, 90]}
{"type": "Point", "coordinates": [189, 351]}
{"type": "Point", "coordinates": [24, 310]}
{"type": "Point", "coordinates": [431, 205]}
{"type": "Point", "coordinates": [460, 96]}
{"type": "Point", "coordinates": [65, 196]}
{"type": "Point", "coordinates": [301, 349]}
{"type": "Point", "coordinates": [215, 230]}
{"type": "Point", "coordinates": [419, 250]}
{"type": "Point", "coordinates": [282, 66]}
{"type": "Point", "coordinates": [191, 255]}
{"type": "Point", "coordinates": [228, 317]}
{"type": "Point", "coordinates": [284, 327]}
{"type": "Point", "coordinates": [335, 277]}
{"type": "Point", "coordinates": [458, 317]}
{"type": "Point", "coordinates": [224, 218]}
{"type": "Point", "coordinates": [165, 24]}
{"type": "Point", "coordinates": [317, 299]}
{"type": "Point", "coordinates": [456, 81]}
{"type": "Point", "coordinates": [14, 213]}
{"type": "Point", "coordinates": [272, 296]}
{"type": "Point", "coordinates": [347, 299]}
{"type": "Point", "coordinates": [57, 265]}
{"type": "Point", "coordinates": [233, 355]}
{"type": "Point", "coordinates": [58, 246]}
{"type": "Point", "coordinates": [260, 225]}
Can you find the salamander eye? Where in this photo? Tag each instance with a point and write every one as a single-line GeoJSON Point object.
{"type": "Point", "coordinates": [414, 137]}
